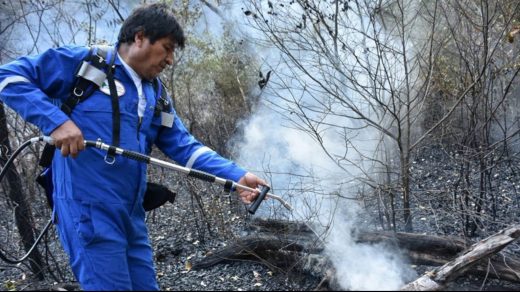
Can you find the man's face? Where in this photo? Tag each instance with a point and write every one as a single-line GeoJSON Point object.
{"type": "Point", "coordinates": [153, 58]}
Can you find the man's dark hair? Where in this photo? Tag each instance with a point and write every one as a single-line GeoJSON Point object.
{"type": "Point", "coordinates": [156, 21]}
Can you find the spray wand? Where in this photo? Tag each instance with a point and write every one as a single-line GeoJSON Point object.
{"type": "Point", "coordinates": [229, 184]}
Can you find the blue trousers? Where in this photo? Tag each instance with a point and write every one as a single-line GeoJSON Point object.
{"type": "Point", "coordinates": [107, 244]}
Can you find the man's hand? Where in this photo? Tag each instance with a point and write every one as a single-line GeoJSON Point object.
{"type": "Point", "coordinates": [68, 138]}
{"type": "Point", "coordinates": [251, 181]}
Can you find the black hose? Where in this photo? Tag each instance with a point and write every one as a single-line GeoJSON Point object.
{"type": "Point", "coordinates": [45, 229]}
{"type": "Point", "coordinates": [36, 242]}
{"type": "Point", "coordinates": [11, 159]}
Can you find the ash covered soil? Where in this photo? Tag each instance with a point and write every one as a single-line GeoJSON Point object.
{"type": "Point", "coordinates": [186, 234]}
{"type": "Point", "coordinates": [203, 220]}
{"type": "Point", "coordinates": [180, 233]}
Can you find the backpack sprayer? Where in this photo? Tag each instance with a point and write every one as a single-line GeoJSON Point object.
{"type": "Point", "coordinates": [228, 184]}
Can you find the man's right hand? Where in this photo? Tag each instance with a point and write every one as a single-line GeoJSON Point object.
{"type": "Point", "coordinates": [69, 139]}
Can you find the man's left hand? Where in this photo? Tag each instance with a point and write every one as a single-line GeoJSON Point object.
{"type": "Point", "coordinates": [251, 181]}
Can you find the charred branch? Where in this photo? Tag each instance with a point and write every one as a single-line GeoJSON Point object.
{"type": "Point", "coordinates": [438, 278]}
{"type": "Point", "coordinates": [284, 246]}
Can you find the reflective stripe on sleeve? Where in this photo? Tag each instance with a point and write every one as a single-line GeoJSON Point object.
{"type": "Point", "coordinates": [12, 79]}
{"type": "Point", "coordinates": [196, 155]}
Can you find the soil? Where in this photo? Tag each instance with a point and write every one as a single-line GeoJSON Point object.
{"type": "Point", "coordinates": [180, 233]}
{"type": "Point", "coordinates": [203, 219]}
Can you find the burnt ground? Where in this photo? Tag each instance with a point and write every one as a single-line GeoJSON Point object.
{"type": "Point", "coordinates": [180, 233]}
{"type": "Point", "coordinates": [202, 221]}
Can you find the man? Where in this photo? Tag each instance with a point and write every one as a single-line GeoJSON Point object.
{"type": "Point", "coordinates": [98, 201]}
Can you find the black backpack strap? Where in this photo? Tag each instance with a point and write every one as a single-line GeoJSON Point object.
{"type": "Point", "coordinates": [90, 75]}
{"type": "Point", "coordinates": [116, 115]}
{"type": "Point", "coordinates": [164, 103]}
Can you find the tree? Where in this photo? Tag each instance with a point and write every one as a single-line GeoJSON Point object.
{"type": "Point", "coordinates": [370, 69]}
{"type": "Point", "coordinates": [215, 79]}
{"type": "Point", "coordinates": [479, 136]}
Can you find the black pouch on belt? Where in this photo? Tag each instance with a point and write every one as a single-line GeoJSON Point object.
{"type": "Point", "coordinates": [157, 195]}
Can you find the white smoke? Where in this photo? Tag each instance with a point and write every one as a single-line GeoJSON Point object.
{"type": "Point", "coordinates": [300, 171]}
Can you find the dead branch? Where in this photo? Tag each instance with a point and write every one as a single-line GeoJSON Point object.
{"type": "Point", "coordinates": [438, 278]}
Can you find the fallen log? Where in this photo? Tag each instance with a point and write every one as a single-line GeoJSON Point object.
{"type": "Point", "coordinates": [280, 255]}
{"type": "Point", "coordinates": [440, 277]}
{"type": "Point", "coordinates": [432, 250]}
{"type": "Point", "coordinates": [283, 245]}
{"type": "Point", "coordinates": [426, 249]}
{"type": "Point", "coordinates": [277, 251]}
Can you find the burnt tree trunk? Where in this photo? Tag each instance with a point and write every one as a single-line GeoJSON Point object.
{"type": "Point", "coordinates": [23, 215]}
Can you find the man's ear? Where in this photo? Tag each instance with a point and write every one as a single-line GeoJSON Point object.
{"type": "Point", "coordinates": [139, 38]}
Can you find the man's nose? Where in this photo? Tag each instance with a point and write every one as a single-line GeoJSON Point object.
{"type": "Point", "coordinates": [169, 59]}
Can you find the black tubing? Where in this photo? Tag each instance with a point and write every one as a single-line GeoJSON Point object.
{"type": "Point", "coordinates": [126, 153]}
{"type": "Point", "coordinates": [89, 143]}
{"type": "Point", "coordinates": [11, 159]}
{"type": "Point", "coordinates": [2, 174]}
{"type": "Point", "coordinates": [33, 247]}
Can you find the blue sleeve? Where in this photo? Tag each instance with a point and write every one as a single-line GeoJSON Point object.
{"type": "Point", "coordinates": [30, 84]}
{"type": "Point", "coordinates": [181, 146]}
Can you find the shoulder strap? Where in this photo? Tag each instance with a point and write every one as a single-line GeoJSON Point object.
{"type": "Point", "coordinates": [164, 103]}
{"type": "Point", "coordinates": [116, 116]}
{"type": "Point", "coordinates": [90, 75]}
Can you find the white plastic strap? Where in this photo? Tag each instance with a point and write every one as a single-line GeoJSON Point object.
{"type": "Point", "coordinates": [91, 73]}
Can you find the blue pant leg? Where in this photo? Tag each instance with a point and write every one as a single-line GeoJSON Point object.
{"type": "Point", "coordinates": [140, 256]}
{"type": "Point", "coordinates": [93, 236]}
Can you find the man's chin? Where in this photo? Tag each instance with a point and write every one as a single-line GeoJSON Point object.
{"type": "Point", "coordinates": [151, 77]}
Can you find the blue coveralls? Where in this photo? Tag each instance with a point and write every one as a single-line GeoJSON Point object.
{"type": "Point", "coordinates": [100, 217]}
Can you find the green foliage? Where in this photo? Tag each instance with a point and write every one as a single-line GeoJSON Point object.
{"type": "Point", "coordinates": [10, 285]}
{"type": "Point", "coordinates": [221, 64]}
{"type": "Point", "coordinates": [213, 85]}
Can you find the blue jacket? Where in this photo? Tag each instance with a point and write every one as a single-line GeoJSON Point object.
{"type": "Point", "coordinates": [35, 86]}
